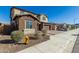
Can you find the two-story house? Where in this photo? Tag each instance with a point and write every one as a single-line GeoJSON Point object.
{"type": "Point", "coordinates": [28, 21]}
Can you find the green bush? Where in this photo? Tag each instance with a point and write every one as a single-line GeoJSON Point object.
{"type": "Point", "coordinates": [17, 35]}
{"type": "Point", "coordinates": [44, 32]}
{"type": "Point", "coordinates": [36, 35]}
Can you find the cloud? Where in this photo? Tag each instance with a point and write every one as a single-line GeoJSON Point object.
{"type": "Point", "coordinates": [4, 20]}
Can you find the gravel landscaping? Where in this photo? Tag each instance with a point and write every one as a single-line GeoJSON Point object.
{"type": "Point", "coordinates": [10, 47]}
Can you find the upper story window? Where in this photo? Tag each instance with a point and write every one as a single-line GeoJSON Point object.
{"type": "Point", "coordinates": [44, 18]}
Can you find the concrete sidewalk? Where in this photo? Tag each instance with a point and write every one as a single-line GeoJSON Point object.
{"type": "Point", "coordinates": [76, 46]}
{"type": "Point", "coordinates": [60, 43]}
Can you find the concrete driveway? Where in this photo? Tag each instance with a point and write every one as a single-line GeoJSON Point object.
{"type": "Point", "coordinates": [54, 32]}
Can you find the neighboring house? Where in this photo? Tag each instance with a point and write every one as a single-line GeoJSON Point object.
{"type": "Point", "coordinates": [29, 22]}
{"type": "Point", "coordinates": [62, 27]}
{"type": "Point", "coordinates": [5, 29]}
{"type": "Point", "coordinates": [65, 27]}
{"type": "Point", "coordinates": [76, 25]}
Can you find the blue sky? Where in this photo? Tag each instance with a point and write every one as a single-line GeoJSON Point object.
{"type": "Point", "coordinates": [56, 14]}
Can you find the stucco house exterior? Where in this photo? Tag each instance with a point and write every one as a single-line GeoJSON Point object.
{"type": "Point", "coordinates": [28, 21]}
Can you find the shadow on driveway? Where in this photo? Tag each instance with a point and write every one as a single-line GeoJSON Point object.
{"type": "Point", "coordinates": [75, 34]}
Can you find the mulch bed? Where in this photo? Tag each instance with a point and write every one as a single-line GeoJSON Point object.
{"type": "Point", "coordinates": [11, 48]}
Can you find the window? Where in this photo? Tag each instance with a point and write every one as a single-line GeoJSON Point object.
{"type": "Point", "coordinates": [29, 24]}
{"type": "Point", "coordinates": [44, 18]}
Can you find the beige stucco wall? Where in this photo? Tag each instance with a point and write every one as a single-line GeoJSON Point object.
{"type": "Point", "coordinates": [29, 31]}
{"type": "Point", "coordinates": [18, 12]}
{"type": "Point", "coordinates": [15, 12]}
{"type": "Point", "coordinates": [42, 20]}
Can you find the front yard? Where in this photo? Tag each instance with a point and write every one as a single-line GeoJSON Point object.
{"type": "Point", "coordinates": [10, 47]}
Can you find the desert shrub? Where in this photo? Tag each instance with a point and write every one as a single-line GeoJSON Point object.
{"type": "Point", "coordinates": [73, 27]}
{"type": "Point", "coordinates": [44, 32]}
{"type": "Point", "coordinates": [37, 35]}
{"type": "Point", "coordinates": [34, 36]}
{"type": "Point", "coordinates": [17, 35]}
